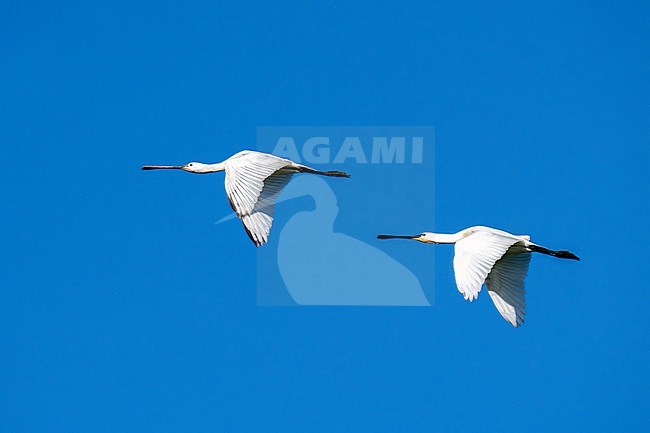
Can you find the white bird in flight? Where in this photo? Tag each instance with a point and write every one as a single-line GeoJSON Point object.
{"type": "Point", "coordinates": [498, 259]}
{"type": "Point", "coordinates": [253, 182]}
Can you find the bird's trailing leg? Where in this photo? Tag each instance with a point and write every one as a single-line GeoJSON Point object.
{"type": "Point", "coordinates": [333, 173]}
{"type": "Point", "coordinates": [562, 254]}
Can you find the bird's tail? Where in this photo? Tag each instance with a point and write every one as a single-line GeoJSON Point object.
{"type": "Point", "coordinates": [333, 173]}
{"type": "Point", "coordinates": [562, 254]}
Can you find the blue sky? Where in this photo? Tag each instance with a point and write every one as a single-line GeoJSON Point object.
{"type": "Point", "coordinates": [124, 308]}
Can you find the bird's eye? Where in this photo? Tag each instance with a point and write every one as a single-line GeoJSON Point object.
{"type": "Point", "coordinates": [190, 165]}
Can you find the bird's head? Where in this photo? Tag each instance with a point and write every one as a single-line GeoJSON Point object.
{"type": "Point", "coordinates": [190, 167]}
{"type": "Point", "coordinates": [426, 237]}
{"type": "Point", "coordinates": [196, 167]}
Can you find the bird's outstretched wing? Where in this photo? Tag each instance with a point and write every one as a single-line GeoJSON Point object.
{"type": "Point", "coordinates": [253, 182]}
{"type": "Point", "coordinates": [474, 258]}
{"type": "Point", "coordinates": [505, 285]}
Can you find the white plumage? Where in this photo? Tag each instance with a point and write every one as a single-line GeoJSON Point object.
{"type": "Point", "coordinates": [253, 182]}
{"type": "Point", "coordinates": [494, 258]}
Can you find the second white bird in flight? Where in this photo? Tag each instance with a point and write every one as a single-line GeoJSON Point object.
{"type": "Point", "coordinates": [498, 259]}
{"type": "Point", "coordinates": [254, 180]}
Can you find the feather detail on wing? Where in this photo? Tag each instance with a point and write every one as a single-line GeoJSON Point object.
{"type": "Point", "coordinates": [505, 284]}
{"type": "Point", "coordinates": [253, 183]}
{"type": "Point", "coordinates": [258, 222]}
{"type": "Point", "coordinates": [475, 257]}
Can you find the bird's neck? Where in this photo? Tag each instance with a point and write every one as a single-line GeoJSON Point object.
{"type": "Point", "coordinates": [444, 238]}
{"type": "Point", "coordinates": [213, 168]}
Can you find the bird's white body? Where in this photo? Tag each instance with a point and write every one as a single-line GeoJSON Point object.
{"type": "Point", "coordinates": [494, 258]}
{"type": "Point", "coordinates": [253, 182]}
